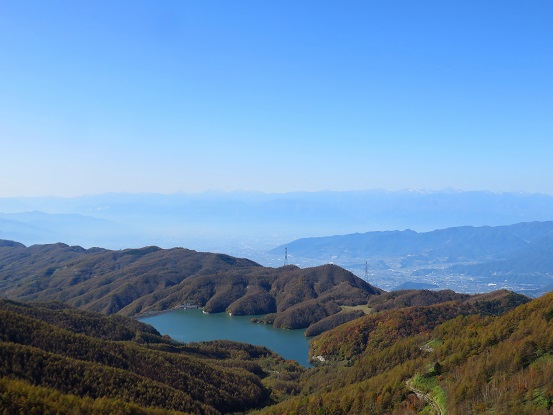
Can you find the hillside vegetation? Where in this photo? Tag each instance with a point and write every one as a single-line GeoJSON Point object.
{"type": "Point", "coordinates": [136, 281]}
{"type": "Point", "coordinates": [481, 353]}
{"type": "Point", "coordinates": [52, 355]}
{"type": "Point", "coordinates": [435, 359]}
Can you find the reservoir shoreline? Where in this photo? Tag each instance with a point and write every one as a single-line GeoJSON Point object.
{"type": "Point", "coordinates": [192, 325]}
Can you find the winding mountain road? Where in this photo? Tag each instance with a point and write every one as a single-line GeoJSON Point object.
{"type": "Point", "coordinates": [426, 397]}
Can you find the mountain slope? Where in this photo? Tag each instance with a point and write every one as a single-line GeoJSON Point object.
{"type": "Point", "coordinates": [467, 259]}
{"type": "Point", "coordinates": [45, 345]}
{"type": "Point", "coordinates": [418, 359]}
{"type": "Point", "coordinates": [460, 242]}
{"type": "Point", "coordinates": [399, 361]}
{"type": "Point", "coordinates": [135, 281]}
{"type": "Point", "coordinates": [534, 258]}
{"type": "Point", "coordinates": [99, 279]}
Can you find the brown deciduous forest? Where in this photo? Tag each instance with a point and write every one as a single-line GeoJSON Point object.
{"type": "Point", "coordinates": [49, 352]}
{"type": "Point", "coordinates": [435, 359]}
{"type": "Point", "coordinates": [150, 279]}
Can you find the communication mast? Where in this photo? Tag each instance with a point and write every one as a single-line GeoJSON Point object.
{"type": "Point", "coordinates": [366, 277]}
{"type": "Point", "coordinates": [285, 256]}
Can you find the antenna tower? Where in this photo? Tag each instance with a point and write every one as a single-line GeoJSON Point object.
{"type": "Point", "coordinates": [366, 277]}
{"type": "Point", "coordinates": [285, 256]}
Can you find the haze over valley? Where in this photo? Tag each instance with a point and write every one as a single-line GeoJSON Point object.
{"type": "Point", "coordinates": [259, 226]}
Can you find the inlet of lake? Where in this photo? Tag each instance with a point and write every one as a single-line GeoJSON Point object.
{"type": "Point", "coordinates": [194, 326]}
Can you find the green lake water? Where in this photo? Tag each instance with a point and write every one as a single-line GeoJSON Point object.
{"type": "Point", "coordinates": [195, 326]}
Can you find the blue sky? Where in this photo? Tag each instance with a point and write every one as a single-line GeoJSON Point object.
{"type": "Point", "coordinates": [167, 96]}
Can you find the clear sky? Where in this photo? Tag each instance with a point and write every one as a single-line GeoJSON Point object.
{"type": "Point", "coordinates": [276, 96]}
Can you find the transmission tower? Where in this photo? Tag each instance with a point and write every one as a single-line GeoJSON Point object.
{"type": "Point", "coordinates": [285, 256]}
{"type": "Point", "coordinates": [366, 277]}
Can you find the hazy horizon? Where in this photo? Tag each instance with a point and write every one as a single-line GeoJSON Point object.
{"type": "Point", "coordinates": [211, 220]}
{"type": "Point", "coordinates": [269, 193]}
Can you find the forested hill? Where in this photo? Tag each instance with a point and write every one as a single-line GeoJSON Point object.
{"type": "Point", "coordinates": [56, 359]}
{"type": "Point", "coordinates": [135, 281]}
{"type": "Point", "coordinates": [434, 360]}
{"type": "Point", "coordinates": [98, 279]}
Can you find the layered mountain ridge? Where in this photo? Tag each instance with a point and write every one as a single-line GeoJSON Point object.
{"type": "Point", "coordinates": [136, 281]}
{"type": "Point", "coordinates": [517, 257]}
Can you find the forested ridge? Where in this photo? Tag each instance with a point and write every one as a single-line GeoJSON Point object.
{"type": "Point", "coordinates": [137, 281]}
{"type": "Point", "coordinates": [42, 360]}
{"type": "Point", "coordinates": [462, 361]}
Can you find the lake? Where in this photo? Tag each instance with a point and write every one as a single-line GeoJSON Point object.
{"type": "Point", "coordinates": [194, 326]}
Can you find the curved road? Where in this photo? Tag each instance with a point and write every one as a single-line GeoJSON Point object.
{"type": "Point", "coordinates": [427, 397]}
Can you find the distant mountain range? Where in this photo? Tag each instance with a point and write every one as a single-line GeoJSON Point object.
{"type": "Point", "coordinates": [520, 253]}
{"type": "Point", "coordinates": [241, 223]}
{"type": "Point", "coordinates": [466, 242]}
{"type": "Point", "coordinates": [37, 227]}
{"type": "Point", "coordinates": [250, 224]}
